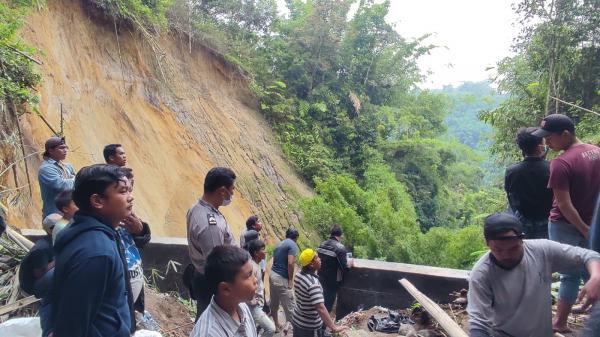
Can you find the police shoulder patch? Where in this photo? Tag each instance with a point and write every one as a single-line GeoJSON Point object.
{"type": "Point", "coordinates": [211, 219]}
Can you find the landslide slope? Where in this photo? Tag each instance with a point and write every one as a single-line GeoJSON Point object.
{"type": "Point", "coordinates": [176, 118]}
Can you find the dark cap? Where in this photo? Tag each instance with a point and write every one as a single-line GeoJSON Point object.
{"type": "Point", "coordinates": [499, 223]}
{"type": "Point", "coordinates": [555, 123]}
{"type": "Point", "coordinates": [53, 142]}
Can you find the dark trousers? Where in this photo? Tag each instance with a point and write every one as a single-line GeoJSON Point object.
{"type": "Point", "coordinates": [329, 295]}
{"type": "Point", "coordinates": [299, 332]}
{"type": "Point", "coordinates": [201, 293]}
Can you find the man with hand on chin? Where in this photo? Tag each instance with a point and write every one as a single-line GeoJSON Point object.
{"type": "Point", "coordinates": [208, 228]}
{"type": "Point", "coordinates": [509, 287]}
{"type": "Point", "coordinates": [91, 297]}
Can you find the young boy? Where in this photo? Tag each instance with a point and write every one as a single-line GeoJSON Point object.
{"type": "Point", "coordinates": [229, 275]}
{"type": "Point", "coordinates": [310, 312]}
{"type": "Point", "coordinates": [65, 204]}
{"type": "Point", "coordinates": [256, 248]}
{"type": "Point", "coordinates": [35, 277]}
{"type": "Point", "coordinates": [91, 296]}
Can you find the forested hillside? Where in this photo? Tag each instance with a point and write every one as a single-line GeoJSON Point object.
{"type": "Point", "coordinates": [403, 170]}
{"type": "Point", "coordinates": [467, 101]}
{"type": "Point", "coordinates": [341, 92]}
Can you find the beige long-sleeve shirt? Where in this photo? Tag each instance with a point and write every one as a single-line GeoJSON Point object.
{"type": "Point", "coordinates": [206, 229]}
{"type": "Point", "coordinates": [517, 302]}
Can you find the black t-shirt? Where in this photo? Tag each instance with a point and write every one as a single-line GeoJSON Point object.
{"type": "Point", "coordinates": [526, 185]}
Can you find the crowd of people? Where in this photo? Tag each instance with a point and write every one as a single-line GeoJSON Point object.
{"type": "Point", "coordinates": [88, 269]}
{"type": "Point", "coordinates": [227, 279]}
{"type": "Point", "coordinates": [510, 286]}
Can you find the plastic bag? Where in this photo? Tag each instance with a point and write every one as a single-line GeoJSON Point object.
{"type": "Point", "coordinates": [146, 333]}
{"type": "Point", "coordinates": [21, 327]}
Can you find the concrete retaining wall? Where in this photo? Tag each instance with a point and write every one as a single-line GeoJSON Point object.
{"type": "Point", "coordinates": [372, 283]}
{"type": "Point", "coordinates": [368, 284]}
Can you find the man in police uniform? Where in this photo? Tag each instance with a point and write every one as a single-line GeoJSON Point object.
{"type": "Point", "coordinates": [207, 228]}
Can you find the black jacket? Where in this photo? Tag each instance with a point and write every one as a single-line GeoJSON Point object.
{"type": "Point", "coordinates": [92, 296]}
{"type": "Point", "coordinates": [334, 262]}
{"type": "Point", "coordinates": [526, 185]}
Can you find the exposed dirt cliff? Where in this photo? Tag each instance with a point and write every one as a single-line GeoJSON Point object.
{"type": "Point", "coordinates": [175, 120]}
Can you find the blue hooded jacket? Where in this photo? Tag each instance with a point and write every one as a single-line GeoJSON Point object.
{"type": "Point", "coordinates": [91, 297]}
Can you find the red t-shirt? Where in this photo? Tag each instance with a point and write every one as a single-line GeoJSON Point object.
{"type": "Point", "coordinates": [578, 171]}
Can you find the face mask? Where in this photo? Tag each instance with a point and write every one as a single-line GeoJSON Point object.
{"type": "Point", "coordinates": [226, 202]}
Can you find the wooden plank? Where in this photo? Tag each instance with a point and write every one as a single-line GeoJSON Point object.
{"type": "Point", "coordinates": [449, 325]}
{"type": "Point", "coordinates": [18, 305]}
{"type": "Point", "coordinates": [19, 239]}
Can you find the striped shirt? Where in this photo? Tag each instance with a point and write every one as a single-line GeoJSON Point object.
{"type": "Point", "coordinates": [308, 294]}
{"type": "Point", "coordinates": [215, 322]}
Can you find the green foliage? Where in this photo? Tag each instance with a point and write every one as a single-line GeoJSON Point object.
{"type": "Point", "coordinates": [145, 13]}
{"type": "Point", "coordinates": [468, 100]}
{"type": "Point", "coordinates": [557, 55]}
{"type": "Point", "coordinates": [379, 222]}
{"type": "Point", "coordinates": [339, 89]}
{"type": "Point", "coordinates": [17, 76]}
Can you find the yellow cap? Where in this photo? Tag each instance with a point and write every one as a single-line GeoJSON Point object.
{"type": "Point", "coordinates": [307, 256]}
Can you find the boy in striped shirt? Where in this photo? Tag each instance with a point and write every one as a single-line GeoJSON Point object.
{"type": "Point", "coordinates": [310, 312]}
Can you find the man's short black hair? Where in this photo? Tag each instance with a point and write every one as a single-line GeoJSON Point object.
{"type": "Point", "coordinates": [223, 264]}
{"type": "Point", "coordinates": [255, 246]}
{"type": "Point", "coordinates": [218, 177]}
{"type": "Point", "coordinates": [128, 172]}
{"type": "Point", "coordinates": [526, 141]}
{"type": "Point", "coordinates": [336, 230]}
{"type": "Point", "coordinates": [292, 233]}
{"type": "Point", "coordinates": [252, 220]}
{"type": "Point", "coordinates": [63, 199]}
{"type": "Point", "coordinates": [110, 150]}
{"type": "Point", "coordinates": [94, 179]}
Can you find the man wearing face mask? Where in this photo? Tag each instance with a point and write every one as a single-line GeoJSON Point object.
{"type": "Point", "coordinates": [207, 228]}
{"type": "Point", "coordinates": [526, 185]}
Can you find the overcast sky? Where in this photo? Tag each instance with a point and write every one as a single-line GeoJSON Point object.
{"type": "Point", "coordinates": [475, 35]}
{"type": "Point", "coordinates": [472, 34]}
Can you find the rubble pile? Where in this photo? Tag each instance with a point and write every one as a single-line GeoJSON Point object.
{"type": "Point", "coordinates": [11, 254]}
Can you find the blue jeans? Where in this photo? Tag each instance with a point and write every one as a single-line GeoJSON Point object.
{"type": "Point", "coordinates": [262, 320]}
{"type": "Point", "coordinates": [563, 232]}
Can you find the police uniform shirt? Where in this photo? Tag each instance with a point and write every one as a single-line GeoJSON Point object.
{"type": "Point", "coordinates": [206, 229]}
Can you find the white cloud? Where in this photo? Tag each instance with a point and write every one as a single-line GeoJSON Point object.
{"type": "Point", "coordinates": [475, 33]}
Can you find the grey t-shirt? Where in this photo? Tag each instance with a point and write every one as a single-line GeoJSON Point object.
{"type": "Point", "coordinates": [517, 302]}
{"type": "Point", "coordinates": [285, 248]}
